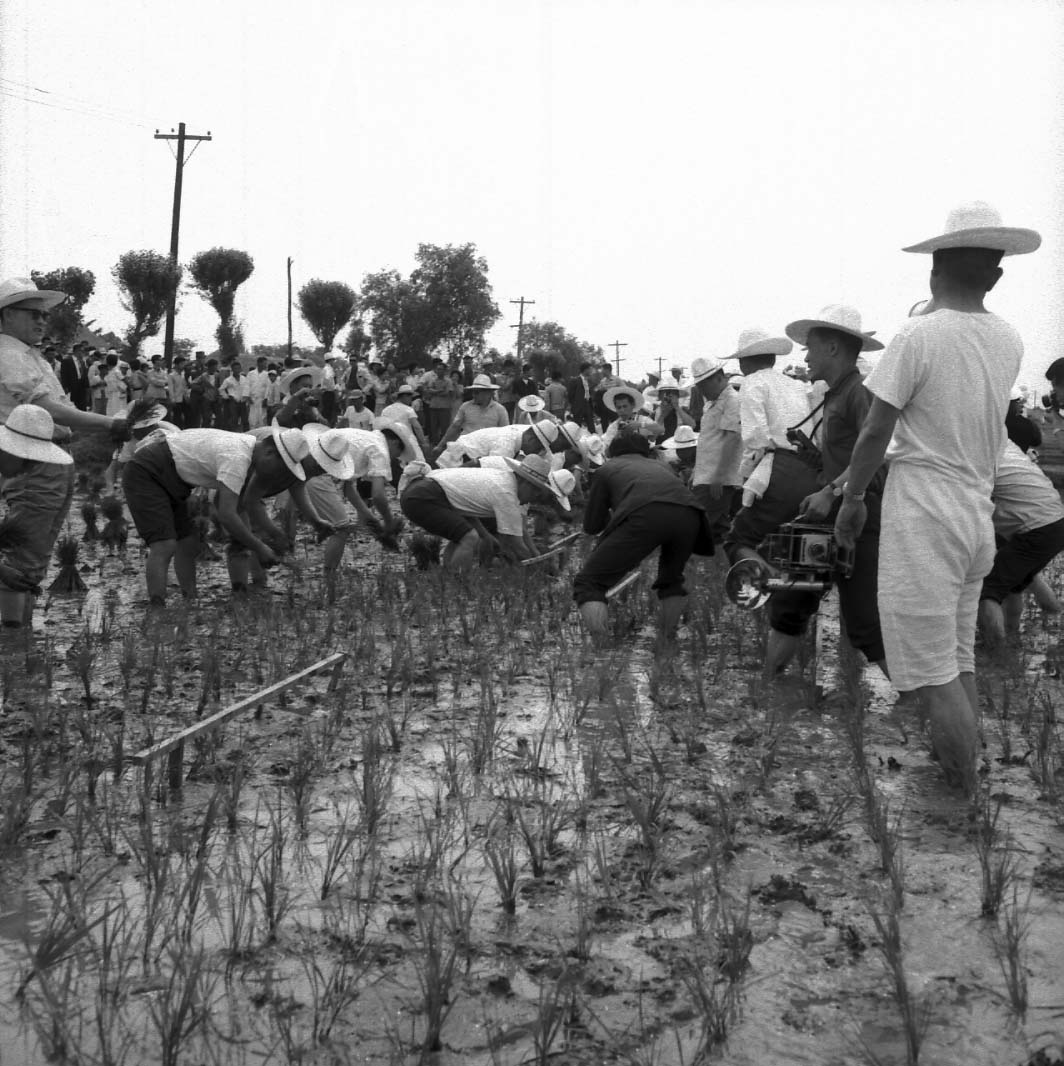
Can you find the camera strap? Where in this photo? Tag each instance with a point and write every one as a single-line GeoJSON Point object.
{"type": "Point", "coordinates": [809, 416]}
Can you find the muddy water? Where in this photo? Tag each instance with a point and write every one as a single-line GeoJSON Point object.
{"type": "Point", "coordinates": [586, 969]}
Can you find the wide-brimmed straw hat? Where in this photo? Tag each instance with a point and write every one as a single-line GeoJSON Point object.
{"type": "Point", "coordinates": [593, 449]}
{"type": "Point", "coordinates": [483, 382]}
{"type": "Point", "coordinates": [977, 224]}
{"type": "Point", "coordinates": [330, 449]}
{"type": "Point", "coordinates": [839, 317]}
{"type": "Point", "coordinates": [758, 341]}
{"type": "Point", "coordinates": [609, 397]}
{"type": "Point", "coordinates": [292, 446]}
{"type": "Point", "coordinates": [572, 432]}
{"type": "Point", "coordinates": [28, 435]}
{"type": "Point", "coordinates": [703, 367]}
{"type": "Point", "coordinates": [536, 469]}
{"type": "Point", "coordinates": [546, 433]}
{"type": "Point", "coordinates": [531, 404]}
{"type": "Point", "coordinates": [405, 390]}
{"type": "Point", "coordinates": [684, 437]}
{"type": "Point", "coordinates": [24, 291]}
{"type": "Point", "coordinates": [313, 372]}
{"type": "Point", "coordinates": [411, 448]}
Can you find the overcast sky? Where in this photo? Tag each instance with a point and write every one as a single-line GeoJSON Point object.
{"type": "Point", "coordinates": [660, 173]}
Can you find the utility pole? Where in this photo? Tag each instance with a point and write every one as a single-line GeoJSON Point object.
{"type": "Point", "coordinates": [521, 323]}
{"type": "Point", "coordinates": [661, 363]}
{"type": "Point", "coordinates": [617, 346]}
{"type": "Point", "coordinates": [289, 307]}
{"type": "Point", "coordinates": [175, 226]}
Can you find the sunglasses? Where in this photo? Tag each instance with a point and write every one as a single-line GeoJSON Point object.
{"type": "Point", "coordinates": [37, 316]}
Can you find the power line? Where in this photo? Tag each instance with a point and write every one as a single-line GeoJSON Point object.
{"type": "Point", "coordinates": [73, 107]}
{"type": "Point", "coordinates": [617, 346]}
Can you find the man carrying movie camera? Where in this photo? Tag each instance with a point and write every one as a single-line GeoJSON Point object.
{"type": "Point", "coordinates": [937, 537]}
{"type": "Point", "coordinates": [45, 489]}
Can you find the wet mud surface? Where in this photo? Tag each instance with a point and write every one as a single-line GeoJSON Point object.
{"type": "Point", "coordinates": [490, 843]}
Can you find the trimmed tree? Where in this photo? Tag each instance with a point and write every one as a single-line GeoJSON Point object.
{"type": "Point", "coordinates": [216, 275]}
{"type": "Point", "coordinates": [326, 307]}
{"type": "Point", "coordinates": [79, 285]}
{"type": "Point", "coordinates": [549, 347]}
{"type": "Point", "coordinates": [147, 281]}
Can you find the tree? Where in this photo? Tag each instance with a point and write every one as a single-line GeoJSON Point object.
{"type": "Point", "coordinates": [453, 282]}
{"type": "Point", "coordinates": [399, 318]}
{"type": "Point", "coordinates": [547, 346]}
{"type": "Point", "coordinates": [357, 343]}
{"type": "Point", "coordinates": [147, 282]}
{"type": "Point", "coordinates": [79, 285]}
{"type": "Point", "coordinates": [278, 353]}
{"type": "Point", "coordinates": [326, 306]}
{"type": "Point", "coordinates": [216, 275]}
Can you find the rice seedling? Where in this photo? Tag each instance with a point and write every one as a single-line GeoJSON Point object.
{"type": "Point", "coordinates": [500, 850]}
{"type": "Point", "coordinates": [89, 517]}
{"type": "Point", "coordinates": [998, 864]}
{"type": "Point", "coordinates": [334, 989]}
{"type": "Point", "coordinates": [67, 581]}
{"type": "Point", "coordinates": [81, 658]}
{"type": "Point", "coordinates": [342, 837]}
{"type": "Point", "coordinates": [555, 1008]}
{"type": "Point", "coordinates": [1010, 941]}
{"type": "Point", "coordinates": [887, 837]}
{"type": "Point", "coordinates": [647, 799]}
{"type": "Point", "coordinates": [299, 783]}
{"type": "Point", "coordinates": [128, 658]}
{"type": "Point", "coordinates": [182, 1006]}
{"type": "Point", "coordinates": [915, 1013]}
{"type": "Point", "coordinates": [542, 827]}
{"type": "Point", "coordinates": [1046, 764]}
{"type": "Point", "coordinates": [269, 880]}
{"type": "Point", "coordinates": [115, 532]}
{"type": "Point", "coordinates": [376, 776]}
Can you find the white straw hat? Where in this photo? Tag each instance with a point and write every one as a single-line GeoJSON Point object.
{"type": "Point", "coordinates": [977, 224]}
{"type": "Point", "coordinates": [839, 317]}
{"type": "Point", "coordinates": [24, 290]}
{"type": "Point", "coordinates": [482, 381]}
{"type": "Point", "coordinates": [757, 341]}
{"type": "Point", "coordinates": [703, 368]}
{"type": "Point", "coordinates": [572, 432]}
{"type": "Point", "coordinates": [684, 437]}
{"type": "Point", "coordinates": [293, 448]}
{"type": "Point", "coordinates": [609, 397]}
{"type": "Point", "coordinates": [28, 435]}
{"type": "Point", "coordinates": [330, 449]}
{"type": "Point", "coordinates": [546, 432]}
{"type": "Point", "coordinates": [313, 372]}
{"type": "Point", "coordinates": [531, 404]}
{"type": "Point", "coordinates": [593, 449]}
{"type": "Point", "coordinates": [536, 469]}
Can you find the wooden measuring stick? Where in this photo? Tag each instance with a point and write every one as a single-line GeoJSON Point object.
{"type": "Point", "coordinates": [624, 583]}
{"type": "Point", "coordinates": [554, 549]}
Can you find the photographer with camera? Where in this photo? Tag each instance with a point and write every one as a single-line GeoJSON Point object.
{"type": "Point", "coordinates": [833, 342]}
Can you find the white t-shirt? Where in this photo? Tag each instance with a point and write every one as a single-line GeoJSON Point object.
{"type": "Point", "coordinates": [484, 494]}
{"type": "Point", "coordinates": [1024, 498]}
{"type": "Point", "coordinates": [770, 403]}
{"type": "Point", "coordinates": [399, 412]}
{"type": "Point", "coordinates": [498, 440]}
{"type": "Point", "coordinates": [949, 373]}
{"type": "Point", "coordinates": [359, 419]}
{"type": "Point", "coordinates": [369, 450]}
{"type": "Point", "coordinates": [212, 458]}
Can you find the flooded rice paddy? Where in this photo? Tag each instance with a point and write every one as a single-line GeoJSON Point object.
{"type": "Point", "coordinates": [492, 844]}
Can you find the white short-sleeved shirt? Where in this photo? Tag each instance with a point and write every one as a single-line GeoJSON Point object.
{"type": "Point", "coordinates": [471, 416]}
{"type": "Point", "coordinates": [949, 373]}
{"type": "Point", "coordinates": [1024, 498]}
{"type": "Point", "coordinates": [359, 419]}
{"type": "Point", "coordinates": [212, 458]}
{"type": "Point", "coordinates": [162, 429]}
{"type": "Point", "coordinates": [499, 440]}
{"type": "Point", "coordinates": [369, 450]}
{"type": "Point", "coordinates": [771, 403]}
{"type": "Point", "coordinates": [25, 377]}
{"type": "Point", "coordinates": [400, 412]}
{"type": "Point", "coordinates": [484, 493]}
{"type": "Point", "coordinates": [718, 418]}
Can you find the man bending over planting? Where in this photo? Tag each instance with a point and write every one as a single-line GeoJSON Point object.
{"type": "Point", "coordinates": [471, 505]}
{"type": "Point", "coordinates": [636, 504]}
{"type": "Point", "coordinates": [244, 471]}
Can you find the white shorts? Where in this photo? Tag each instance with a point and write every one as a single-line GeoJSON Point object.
{"type": "Point", "coordinates": [935, 548]}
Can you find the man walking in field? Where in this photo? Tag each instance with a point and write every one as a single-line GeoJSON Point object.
{"type": "Point", "coordinates": [941, 390]}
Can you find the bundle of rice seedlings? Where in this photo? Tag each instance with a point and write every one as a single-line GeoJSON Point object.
{"type": "Point", "coordinates": [425, 549]}
{"type": "Point", "coordinates": [116, 531]}
{"type": "Point", "coordinates": [93, 450]}
{"type": "Point", "coordinates": [88, 514]}
{"type": "Point", "coordinates": [68, 580]}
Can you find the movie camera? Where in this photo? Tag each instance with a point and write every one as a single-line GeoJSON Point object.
{"type": "Point", "coordinates": [806, 558]}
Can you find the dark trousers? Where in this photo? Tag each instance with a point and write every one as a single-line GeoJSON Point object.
{"type": "Point", "coordinates": [720, 512]}
{"type": "Point", "coordinates": [438, 421]}
{"type": "Point", "coordinates": [669, 526]}
{"type": "Point", "coordinates": [1018, 560]}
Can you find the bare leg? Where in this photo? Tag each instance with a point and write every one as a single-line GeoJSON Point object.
{"type": "Point", "coordinates": [671, 612]}
{"type": "Point", "coordinates": [952, 711]}
{"type": "Point", "coordinates": [185, 565]}
{"type": "Point", "coordinates": [157, 567]}
{"type": "Point", "coordinates": [239, 566]}
{"type": "Point", "coordinates": [779, 652]}
{"type": "Point", "coordinates": [992, 619]}
{"type": "Point", "coordinates": [595, 614]}
{"type": "Point", "coordinates": [464, 553]}
{"type": "Point", "coordinates": [1044, 596]}
{"type": "Point", "coordinates": [1013, 611]}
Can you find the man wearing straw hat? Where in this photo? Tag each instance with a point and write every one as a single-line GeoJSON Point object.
{"type": "Point", "coordinates": [458, 505]}
{"type": "Point", "coordinates": [481, 412]}
{"type": "Point", "coordinates": [510, 441]}
{"type": "Point", "coordinates": [941, 390]}
{"type": "Point", "coordinates": [627, 403]}
{"type": "Point", "coordinates": [834, 340]}
{"type": "Point", "coordinates": [715, 480]}
{"type": "Point", "coordinates": [38, 487]}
